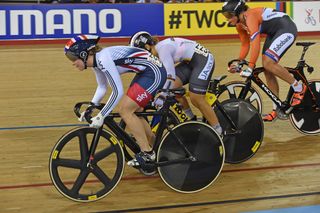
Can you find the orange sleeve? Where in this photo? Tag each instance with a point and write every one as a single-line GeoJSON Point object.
{"type": "Point", "coordinates": [255, 50]}
{"type": "Point", "coordinates": [245, 42]}
{"type": "Point", "coordinates": [253, 21]}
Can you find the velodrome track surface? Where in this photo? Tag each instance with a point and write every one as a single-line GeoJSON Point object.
{"type": "Point", "coordinates": [38, 88]}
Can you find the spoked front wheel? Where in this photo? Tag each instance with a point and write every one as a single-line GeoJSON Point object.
{"type": "Point", "coordinates": [233, 90]}
{"type": "Point", "coordinates": [70, 172]}
{"type": "Point", "coordinates": [305, 118]}
{"type": "Point", "coordinates": [244, 141]}
{"type": "Point", "coordinates": [206, 148]}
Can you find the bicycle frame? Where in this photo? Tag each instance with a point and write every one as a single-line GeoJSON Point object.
{"type": "Point", "coordinates": [127, 140]}
{"type": "Point", "coordinates": [212, 100]}
{"type": "Point", "coordinates": [284, 105]}
{"type": "Point", "coordinates": [298, 73]}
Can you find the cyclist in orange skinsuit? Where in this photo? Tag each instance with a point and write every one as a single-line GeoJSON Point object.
{"type": "Point", "coordinates": [281, 33]}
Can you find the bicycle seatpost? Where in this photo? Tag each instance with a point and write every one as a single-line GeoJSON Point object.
{"type": "Point", "coordinates": [303, 53]}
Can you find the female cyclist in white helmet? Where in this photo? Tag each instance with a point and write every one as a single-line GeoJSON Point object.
{"type": "Point", "coordinates": [196, 65]}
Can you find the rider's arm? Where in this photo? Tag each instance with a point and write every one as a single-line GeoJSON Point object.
{"type": "Point", "coordinates": [166, 55]}
{"type": "Point", "coordinates": [253, 27]}
{"type": "Point", "coordinates": [245, 42]}
{"type": "Point", "coordinates": [111, 73]}
{"type": "Point", "coordinates": [101, 88]}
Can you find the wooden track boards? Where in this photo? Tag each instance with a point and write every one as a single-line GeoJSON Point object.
{"type": "Point", "coordinates": [38, 88]}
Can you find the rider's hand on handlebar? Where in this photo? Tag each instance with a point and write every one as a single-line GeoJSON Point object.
{"type": "Point", "coordinates": [159, 100]}
{"type": "Point", "coordinates": [246, 72]}
{"type": "Point", "coordinates": [83, 114]}
{"type": "Point", "coordinates": [97, 121]}
{"type": "Point", "coordinates": [233, 68]}
{"type": "Point", "coordinates": [82, 118]}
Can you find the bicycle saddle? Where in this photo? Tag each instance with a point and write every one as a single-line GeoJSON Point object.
{"type": "Point", "coordinates": [305, 44]}
{"type": "Point", "coordinates": [177, 91]}
{"type": "Point", "coordinates": [219, 78]}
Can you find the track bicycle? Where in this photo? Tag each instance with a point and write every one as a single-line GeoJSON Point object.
{"type": "Point", "coordinates": [240, 120]}
{"type": "Point", "coordinates": [305, 117]}
{"type": "Point", "coordinates": [86, 163]}
{"type": "Point", "coordinates": [242, 125]}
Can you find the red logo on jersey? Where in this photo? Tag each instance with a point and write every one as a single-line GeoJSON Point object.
{"type": "Point", "coordinates": [139, 95]}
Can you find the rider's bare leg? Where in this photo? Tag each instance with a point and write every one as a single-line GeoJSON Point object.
{"type": "Point", "coordinates": [183, 100]}
{"type": "Point", "coordinates": [276, 69]}
{"type": "Point", "coordinates": [199, 101]}
{"type": "Point", "coordinates": [127, 107]}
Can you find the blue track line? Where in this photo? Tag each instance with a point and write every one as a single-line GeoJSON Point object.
{"type": "Point", "coordinates": [41, 127]}
{"type": "Point", "coordinates": [299, 209]}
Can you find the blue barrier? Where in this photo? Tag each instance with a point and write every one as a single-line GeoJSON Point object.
{"type": "Point", "coordinates": [66, 20]}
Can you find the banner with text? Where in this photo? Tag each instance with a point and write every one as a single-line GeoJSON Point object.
{"type": "Point", "coordinates": [66, 20]}
{"type": "Point", "coordinates": [199, 19]}
{"type": "Point", "coordinates": [59, 21]}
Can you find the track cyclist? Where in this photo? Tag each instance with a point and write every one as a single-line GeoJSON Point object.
{"type": "Point", "coordinates": [108, 64]}
{"type": "Point", "coordinates": [196, 65]}
{"type": "Point", "coordinates": [280, 32]}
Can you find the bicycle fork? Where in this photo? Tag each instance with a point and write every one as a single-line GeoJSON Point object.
{"type": "Point", "coordinates": [93, 147]}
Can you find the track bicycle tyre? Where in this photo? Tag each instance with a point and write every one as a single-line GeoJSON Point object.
{"type": "Point", "coordinates": [204, 144]}
{"type": "Point", "coordinates": [305, 119]}
{"type": "Point", "coordinates": [243, 145]}
{"type": "Point", "coordinates": [233, 88]}
{"type": "Point", "coordinates": [68, 168]}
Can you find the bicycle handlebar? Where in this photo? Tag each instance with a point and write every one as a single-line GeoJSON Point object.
{"type": "Point", "coordinates": [239, 64]}
{"type": "Point", "coordinates": [78, 106]}
{"type": "Point", "coordinates": [90, 107]}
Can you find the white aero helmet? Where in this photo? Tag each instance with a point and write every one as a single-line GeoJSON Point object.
{"type": "Point", "coordinates": [140, 39]}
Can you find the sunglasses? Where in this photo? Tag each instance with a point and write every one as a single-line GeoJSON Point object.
{"type": "Point", "coordinates": [228, 15]}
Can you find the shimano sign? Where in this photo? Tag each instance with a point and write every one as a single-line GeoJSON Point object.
{"type": "Point", "coordinates": [71, 22]}
{"type": "Point", "coordinates": [64, 21]}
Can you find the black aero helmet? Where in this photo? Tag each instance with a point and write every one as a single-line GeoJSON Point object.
{"type": "Point", "coordinates": [79, 47]}
{"type": "Point", "coordinates": [140, 39]}
{"type": "Point", "coordinates": [233, 8]}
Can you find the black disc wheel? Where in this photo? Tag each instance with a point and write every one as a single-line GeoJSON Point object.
{"type": "Point", "coordinates": [185, 173]}
{"type": "Point", "coordinates": [244, 141]}
{"type": "Point", "coordinates": [306, 117]}
{"type": "Point", "coordinates": [79, 180]}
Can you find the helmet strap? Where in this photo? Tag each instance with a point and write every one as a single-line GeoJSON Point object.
{"type": "Point", "coordinates": [85, 64]}
{"type": "Point", "coordinates": [84, 57]}
{"type": "Point", "coordinates": [238, 16]}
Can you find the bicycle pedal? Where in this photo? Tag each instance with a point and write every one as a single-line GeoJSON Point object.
{"type": "Point", "coordinates": [148, 172]}
{"type": "Point", "coordinates": [283, 115]}
{"type": "Point", "coordinates": [288, 111]}
{"type": "Point", "coordinates": [232, 132]}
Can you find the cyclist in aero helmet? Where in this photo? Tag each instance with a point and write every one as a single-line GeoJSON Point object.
{"type": "Point", "coordinates": [80, 46]}
{"type": "Point", "coordinates": [280, 32]}
{"type": "Point", "coordinates": [196, 65]}
{"type": "Point", "coordinates": [108, 64]}
{"type": "Point", "coordinates": [233, 8]}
